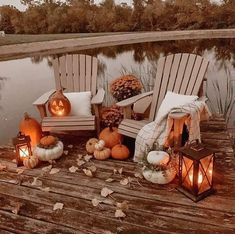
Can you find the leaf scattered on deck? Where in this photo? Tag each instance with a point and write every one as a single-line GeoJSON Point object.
{"type": "Point", "coordinates": [87, 157]}
{"type": "Point", "coordinates": [80, 162]}
{"type": "Point", "coordinates": [106, 191]}
{"type": "Point", "coordinates": [95, 202]}
{"type": "Point", "coordinates": [66, 152]}
{"type": "Point", "coordinates": [45, 189]}
{"type": "Point", "coordinates": [92, 168]}
{"type": "Point", "coordinates": [47, 168]}
{"type": "Point", "coordinates": [16, 209]}
{"type": "Point", "coordinates": [70, 146]}
{"type": "Point", "coordinates": [119, 214]}
{"type": "Point", "coordinates": [58, 206]}
{"type": "Point", "coordinates": [87, 172]}
{"type": "Point", "coordinates": [124, 181]}
{"type": "Point", "coordinates": [109, 180]}
{"type": "Point", "coordinates": [73, 169]}
{"type": "Point", "coordinates": [122, 205]}
{"type": "Point", "coordinates": [19, 171]}
{"type": "Point", "coordinates": [36, 182]}
{"type": "Point", "coordinates": [138, 175]}
{"type": "Point", "coordinates": [54, 171]}
{"type": "Point", "coordinates": [2, 167]}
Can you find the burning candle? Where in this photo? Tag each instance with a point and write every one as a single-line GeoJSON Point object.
{"type": "Point", "coordinates": [199, 180]}
{"type": "Point", "coordinates": [24, 152]}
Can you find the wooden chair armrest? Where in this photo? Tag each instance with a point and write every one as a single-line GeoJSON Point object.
{"type": "Point", "coordinates": [99, 97]}
{"type": "Point", "coordinates": [134, 99]}
{"type": "Point", "coordinates": [44, 98]}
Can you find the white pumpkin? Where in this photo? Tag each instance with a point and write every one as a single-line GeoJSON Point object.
{"type": "Point", "coordinates": [159, 177]}
{"type": "Point", "coordinates": [49, 154]}
{"type": "Point", "coordinates": [158, 158]}
{"type": "Point", "coordinates": [100, 145]}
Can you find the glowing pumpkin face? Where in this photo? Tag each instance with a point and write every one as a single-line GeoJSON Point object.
{"type": "Point", "coordinates": [58, 104]}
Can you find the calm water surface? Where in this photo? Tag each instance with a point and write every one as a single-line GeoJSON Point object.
{"type": "Point", "coordinates": [23, 80]}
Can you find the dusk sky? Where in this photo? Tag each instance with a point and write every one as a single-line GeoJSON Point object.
{"type": "Point", "coordinates": [17, 3]}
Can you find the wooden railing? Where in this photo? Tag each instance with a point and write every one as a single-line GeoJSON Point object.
{"type": "Point", "coordinates": [69, 45]}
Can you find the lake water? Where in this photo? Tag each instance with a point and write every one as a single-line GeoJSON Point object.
{"type": "Point", "coordinates": [23, 80]}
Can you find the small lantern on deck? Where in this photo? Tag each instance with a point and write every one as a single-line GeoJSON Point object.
{"type": "Point", "coordinates": [196, 164]}
{"type": "Point", "coordinates": [22, 147]}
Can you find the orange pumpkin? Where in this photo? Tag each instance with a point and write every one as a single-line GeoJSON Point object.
{"type": "Point", "coordinates": [102, 154]}
{"type": "Point", "coordinates": [48, 140]}
{"type": "Point", "coordinates": [120, 152]}
{"type": "Point", "coordinates": [30, 126]}
{"type": "Point", "coordinates": [110, 136]}
{"type": "Point", "coordinates": [90, 145]}
{"type": "Point", "coordinates": [30, 162]}
{"type": "Point", "coordinates": [58, 104]}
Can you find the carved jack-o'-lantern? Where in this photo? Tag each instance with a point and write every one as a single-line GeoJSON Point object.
{"type": "Point", "coordinates": [58, 104]}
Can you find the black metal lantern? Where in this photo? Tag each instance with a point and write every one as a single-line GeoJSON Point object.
{"type": "Point", "coordinates": [22, 148]}
{"type": "Point", "coordinates": [196, 165]}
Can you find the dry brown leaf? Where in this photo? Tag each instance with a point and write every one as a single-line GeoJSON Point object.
{"type": "Point", "coordinates": [120, 171]}
{"type": "Point", "coordinates": [138, 175]}
{"type": "Point", "coordinates": [73, 169]}
{"type": "Point", "coordinates": [80, 156]}
{"type": "Point", "coordinates": [70, 146]}
{"type": "Point", "coordinates": [66, 152]}
{"type": "Point", "coordinates": [92, 168]}
{"type": "Point", "coordinates": [124, 181]}
{"type": "Point", "coordinates": [87, 157]}
{"type": "Point", "coordinates": [2, 167]}
{"type": "Point", "coordinates": [114, 171]}
{"type": "Point", "coordinates": [54, 171]}
{"type": "Point", "coordinates": [16, 209]}
{"type": "Point", "coordinates": [109, 180]}
{"type": "Point", "coordinates": [36, 182]}
{"type": "Point", "coordinates": [80, 162]}
{"type": "Point", "coordinates": [19, 171]}
{"type": "Point", "coordinates": [106, 191]}
{"type": "Point", "coordinates": [87, 172]}
{"type": "Point", "coordinates": [47, 168]}
{"type": "Point", "coordinates": [119, 214]}
{"type": "Point", "coordinates": [58, 206]}
{"type": "Point", "coordinates": [122, 205]}
{"type": "Point", "coordinates": [13, 160]}
{"type": "Point", "coordinates": [45, 189]}
{"type": "Point", "coordinates": [95, 202]}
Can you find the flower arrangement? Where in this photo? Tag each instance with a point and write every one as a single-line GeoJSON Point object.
{"type": "Point", "coordinates": [111, 116]}
{"type": "Point", "coordinates": [125, 86]}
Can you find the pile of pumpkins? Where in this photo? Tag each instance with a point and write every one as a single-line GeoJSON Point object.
{"type": "Point", "coordinates": [44, 148]}
{"type": "Point", "coordinates": [108, 144]}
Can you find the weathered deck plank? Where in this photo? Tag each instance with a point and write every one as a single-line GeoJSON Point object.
{"type": "Point", "coordinates": [152, 208]}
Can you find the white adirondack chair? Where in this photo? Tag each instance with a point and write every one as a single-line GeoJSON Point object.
{"type": "Point", "coordinates": [73, 73]}
{"type": "Point", "coordinates": [179, 73]}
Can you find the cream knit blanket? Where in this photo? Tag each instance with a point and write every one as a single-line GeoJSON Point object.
{"type": "Point", "coordinates": [159, 130]}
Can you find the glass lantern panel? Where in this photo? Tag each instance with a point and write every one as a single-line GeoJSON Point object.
{"type": "Point", "coordinates": [23, 151]}
{"type": "Point", "coordinates": [187, 172]}
{"type": "Point", "coordinates": [206, 171]}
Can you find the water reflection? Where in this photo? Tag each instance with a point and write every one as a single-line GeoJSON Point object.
{"type": "Point", "coordinates": [31, 77]}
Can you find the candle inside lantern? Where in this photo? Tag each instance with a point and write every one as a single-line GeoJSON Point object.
{"type": "Point", "coordinates": [199, 180]}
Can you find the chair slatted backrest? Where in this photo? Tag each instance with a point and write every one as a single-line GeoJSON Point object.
{"type": "Point", "coordinates": [76, 73]}
{"type": "Point", "coordinates": [179, 73]}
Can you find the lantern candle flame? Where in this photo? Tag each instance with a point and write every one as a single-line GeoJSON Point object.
{"type": "Point", "coordinates": [24, 152]}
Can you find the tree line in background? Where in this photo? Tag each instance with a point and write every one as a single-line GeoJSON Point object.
{"type": "Point", "coordinates": [82, 16]}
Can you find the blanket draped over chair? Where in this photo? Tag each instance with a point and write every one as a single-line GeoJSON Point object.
{"type": "Point", "coordinates": [159, 130]}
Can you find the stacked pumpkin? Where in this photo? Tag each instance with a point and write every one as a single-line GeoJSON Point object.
{"type": "Point", "coordinates": [109, 144]}
{"type": "Point", "coordinates": [44, 148]}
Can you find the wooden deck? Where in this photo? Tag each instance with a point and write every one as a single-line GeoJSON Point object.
{"type": "Point", "coordinates": [152, 208]}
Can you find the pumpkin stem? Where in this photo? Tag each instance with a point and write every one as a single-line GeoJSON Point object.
{"type": "Point", "coordinates": [26, 116]}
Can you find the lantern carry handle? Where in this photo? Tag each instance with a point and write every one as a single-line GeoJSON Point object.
{"type": "Point", "coordinates": [194, 145]}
